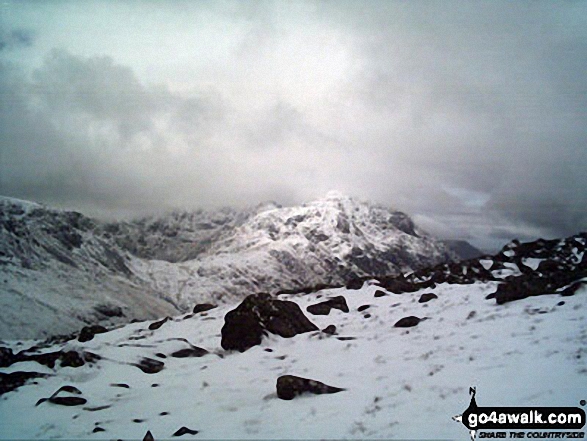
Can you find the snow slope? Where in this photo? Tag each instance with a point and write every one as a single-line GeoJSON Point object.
{"type": "Point", "coordinates": [400, 383]}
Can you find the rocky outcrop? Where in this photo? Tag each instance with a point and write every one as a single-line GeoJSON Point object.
{"type": "Point", "coordinates": [245, 326]}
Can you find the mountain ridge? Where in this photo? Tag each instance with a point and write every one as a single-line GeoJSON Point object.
{"type": "Point", "coordinates": [70, 269]}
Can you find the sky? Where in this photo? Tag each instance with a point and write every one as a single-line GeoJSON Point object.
{"type": "Point", "coordinates": [469, 116]}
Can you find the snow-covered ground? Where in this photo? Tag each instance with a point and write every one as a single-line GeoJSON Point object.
{"type": "Point", "coordinates": [401, 383]}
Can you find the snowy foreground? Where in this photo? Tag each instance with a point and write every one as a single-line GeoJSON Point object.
{"type": "Point", "coordinates": [401, 383]}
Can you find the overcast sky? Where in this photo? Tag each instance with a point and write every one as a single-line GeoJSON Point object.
{"type": "Point", "coordinates": [470, 116]}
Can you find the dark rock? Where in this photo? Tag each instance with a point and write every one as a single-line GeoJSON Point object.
{"type": "Point", "coordinates": [71, 359]}
{"type": "Point", "coordinates": [14, 380]}
{"type": "Point", "coordinates": [98, 429]}
{"type": "Point", "coordinates": [203, 307]}
{"type": "Point", "coordinates": [156, 325]}
{"type": "Point", "coordinates": [408, 322]}
{"type": "Point", "coordinates": [245, 326]}
{"type": "Point", "coordinates": [290, 386]}
{"type": "Point", "coordinates": [68, 401]}
{"type": "Point", "coordinates": [87, 333]}
{"type": "Point", "coordinates": [323, 308]}
{"type": "Point", "coordinates": [561, 303]}
{"type": "Point", "coordinates": [426, 297]}
{"type": "Point", "coordinates": [355, 284]}
{"type": "Point", "coordinates": [148, 436]}
{"type": "Point", "coordinates": [6, 357]}
{"type": "Point", "coordinates": [185, 431]}
{"type": "Point", "coordinates": [150, 366]}
{"type": "Point", "coordinates": [124, 385]}
{"type": "Point", "coordinates": [330, 329]}
{"type": "Point", "coordinates": [367, 316]}
{"type": "Point", "coordinates": [380, 293]}
{"type": "Point", "coordinates": [190, 352]}
{"type": "Point", "coordinates": [363, 307]}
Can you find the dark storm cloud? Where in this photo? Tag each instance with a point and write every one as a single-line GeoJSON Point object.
{"type": "Point", "coordinates": [471, 116]}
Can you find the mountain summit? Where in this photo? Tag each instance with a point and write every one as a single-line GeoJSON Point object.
{"type": "Point", "coordinates": [73, 271]}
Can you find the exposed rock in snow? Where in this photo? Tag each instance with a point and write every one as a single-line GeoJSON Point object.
{"type": "Point", "coordinates": [245, 326]}
{"type": "Point", "coordinates": [399, 383]}
{"type": "Point", "coordinates": [289, 386]}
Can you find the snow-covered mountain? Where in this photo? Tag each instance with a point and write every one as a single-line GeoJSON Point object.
{"type": "Point", "coordinates": [272, 248]}
{"type": "Point", "coordinates": [399, 354]}
{"type": "Point", "coordinates": [57, 275]}
{"type": "Point", "coordinates": [60, 270]}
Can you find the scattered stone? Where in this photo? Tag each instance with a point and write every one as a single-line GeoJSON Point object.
{"type": "Point", "coordinates": [150, 366]}
{"type": "Point", "coordinates": [290, 386]}
{"type": "Point", "coordinates": [268, 350]}
{"type": "Point", "coordinates": [203, 307]}
{"type": "Point", "coordinates": [138, 420]}
{"type": "Point", "coordinates": [380, 293]}
{"type": "Point", "coordinates": [346, 338]}
{"type": "Point", "coordinates": [367, 316]}
{"type": "Point", "coordinates": [123, 385]}
{"type": "Point", "coordinates": [330, 329]}
{"type": "Point", "coordinates": [88, 332]}
{"type": "Point", "coordinates": [323, 308]}
{"type": "Point", "coordinates": [185, 431]}
{"type": "Point", "coordinates": [160, 355]}
{"type": "Point", "coordinates": [426, 297]}
{"type": "Point", "coordinates": [407, 322]}
{"type": "Point", "coordinates": [245, 326]}
{"type": "Point", "coordinates": [98, 429]}
{"type": "Point", "coordinates": [471, 315]}
{"type": "Point", "coordinates": [190, 352]}
{"type": "Point", "coordinates": [363, 307]}
{"type": "Point", "coordinates": [156, 325]}
{"type": "Point", "coordinates": [561, 303]}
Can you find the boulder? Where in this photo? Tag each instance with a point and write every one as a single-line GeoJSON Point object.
{"type": "Point", "coordinates": [426, 297]}
{"type": "Point", "coordinates": [87, 333]}
{"type": "Point", "coordinates": [150, 366]}
{"type": "Point", "coordinates": [323, 308]}
{"type": "Point", "coordinates": [190, 352]}
{"type": "Point", "coordinates": [408, 322]}
{"type": "Point", "coordinates": [185, 431]}
{"type": "Point", "coordinates": [156, 325]}
{"type": "Point", "coordinates": [258, 314]}
{"type": "Point", "coordinates": [201, 307]}
{"type": "Point", "coordinates": [330, 329]}
{"type": "Point", "coordinates": [290, 386]}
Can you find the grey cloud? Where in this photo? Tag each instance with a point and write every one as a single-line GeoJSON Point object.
{"type": "Point", "coordinates": [470, 116]}
{"type": "Point", "coordinates": [17, 38]}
